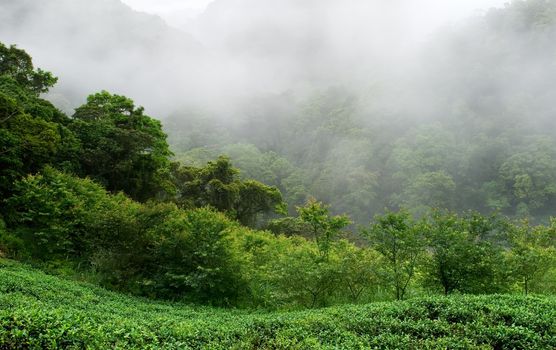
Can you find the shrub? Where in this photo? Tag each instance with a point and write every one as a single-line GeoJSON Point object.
{"type": "Point", "coordinates": [53, 214]}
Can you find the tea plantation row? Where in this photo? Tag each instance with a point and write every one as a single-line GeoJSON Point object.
{"type": "Point", "coordinates": [38, 311]}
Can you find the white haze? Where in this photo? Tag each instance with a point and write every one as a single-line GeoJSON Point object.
{"type": "Point", "coordinates": [177, 13]}
{"type": "Point", "coordinates": [428, 14]}
{"type": "Point", "coordinates": [232, 51]}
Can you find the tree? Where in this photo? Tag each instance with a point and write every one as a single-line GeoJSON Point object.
{"type": "Point", "coordinates": [33, 133]}
{"type": "Point", "coordinates": [308, 271]}
{"type": "Point", "coordinates": [18, 65]}
{"type": "Point", "coordinates": [290, 271]}
{"type": "Point", "coordinates": [218, 185]}
{"type": "Point", "coordinates": [303, 276]}
{"type": "Point", "coordinates": [532, 254]}
{"type": "Point", "coordinates": [193, 259]}
{"type": "Point", "coordinates": [255, 198]}
{"type": "Point", "coordinates": [429, 190]}
{"type": "Point", "coordinates": [530, 175]}
{"type": "Point", "coordinates": [358, 269]}
{"type": "Point", "coordinates": [400, 242]}
{"type": "Point", "coordinates": [289, 226]}
{"type": "Point", "coordinates": [324, 228]}
{"type": "Point", "coordinates": [59, 216]}
{"type": "Point", "coordinates": [463, 255]}
{"type": "Point", "coordinates": [123, 148]}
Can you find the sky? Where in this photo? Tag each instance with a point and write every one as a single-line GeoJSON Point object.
{"type": "Point", "coordinates": [177, 12]}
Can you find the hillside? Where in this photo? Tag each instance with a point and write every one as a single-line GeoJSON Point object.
{"type": "Point", "coordinates": [465, 123]}
{"type": "Point", "coordinates": [38, 311]}
{"type": "Point", "coordinates": [95, 45]}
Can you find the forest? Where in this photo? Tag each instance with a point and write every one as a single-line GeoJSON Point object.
{"type": "Point", "coordinates": [426, 199]}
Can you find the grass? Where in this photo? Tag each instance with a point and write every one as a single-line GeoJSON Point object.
{"type": "Point", "coordinates": [38, 311]}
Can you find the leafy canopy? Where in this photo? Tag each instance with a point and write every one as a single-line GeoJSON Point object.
{"type": "Point", "coordinates": [123, 148]}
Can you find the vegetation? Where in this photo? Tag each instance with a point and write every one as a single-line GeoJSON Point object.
{"type": "Point", "coordinates": [217, 185]}
{"type": "Point", "coordinates": [122, 148]}
{"type": "Point", "coordinates": [98, 194]}
{"type": "Point", "coordinates": [44, 312]}
{"type": "Point", "coordinates": [99, 197]}
{"type": "Point", "coordinates": [400, 243]}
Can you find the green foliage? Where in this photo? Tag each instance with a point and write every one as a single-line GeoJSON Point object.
{"type": "Point", "coordinates": [54, 213]}
{"type": "Point", "coordinates": [301, 277]}
{"type": "Point", "coordinates": [400, 242]}
{"type": "Point", "coordinates": [123, 148]}
{"type": "Point", "coordinates": [256, 198]}
{"type": "Point", "coordinates": [462, 257]}
{"type": "Point", "coordinates": [123, 257]}
{"type": "Point", "coordinates": [17, 64]}
{"type": "Point", "coordinates": [428, 190]}
{"type": "Point", "coordinates": [152, 249]}
{"type": "Point", "coordinates": [38, 311]}
{"type": "Point", "coordinates": [194, 259]}
{"type": "Point", "coordinates": [290, 226]}
{"type": "Point", "coordinates": [308, 272]}
{"type": "Point", "coordinates": [530, 175]}
{"type": "Point", "coordinates": [212, 185]}
{"type": "Point", "coordinates": [533, 255]}
{"type": "Point", "coordinates": [291, 272]}
{"type": "Point", "coordinates": [324, 228]}
{"type": "Point", "coordinates": [217, 185]}
{"type": "Point", "coordinates": [359, 270]}
{"type": "Point", "coordinates": [10, 245]}
{"type": "Point", "coordinates": [33, 133]}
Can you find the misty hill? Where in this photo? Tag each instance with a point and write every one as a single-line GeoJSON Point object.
{"type": "Point", "coordinates": [104, 44]}
{"type": "Point", "coordinates": [491, 62]}
{"type": "Point", "coordinates": [499, 65]}
{"type": "Point", "coordinates": [464, 120]}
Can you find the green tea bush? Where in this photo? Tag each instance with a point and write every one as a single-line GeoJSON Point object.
{"type": "Point", "coordinates": [38, 311]}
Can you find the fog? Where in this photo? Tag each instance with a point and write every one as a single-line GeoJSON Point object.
{"type": "Point", "coordinates": [362, 104]}
{"type": "Point", "coordinates": [231, 50]}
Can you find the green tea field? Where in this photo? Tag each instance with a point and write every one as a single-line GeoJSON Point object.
{"type": "Point", "coordinates": [38, 311]}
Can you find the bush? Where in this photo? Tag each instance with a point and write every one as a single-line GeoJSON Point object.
{"type": "Point", "coordinates": [54, 213]}
{"type": "Point", "coordinates": [192, 253]}
{"type": "Point", "coordinates": [44, 312]}
{"type": "Point", "coordinates": [290, 272]}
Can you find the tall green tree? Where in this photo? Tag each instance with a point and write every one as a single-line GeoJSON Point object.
{"type": "Point", "coordinates": [323, 226]}
{"type": "Point", "coordinates": [33, 133]}
{"type": "Point", "coordinates": [193, 258]}
{"type": "Point", "coordinates": [532, 254]}
{"type": "Point", "coordinates": [400, 242]}
{"type": "Point", "coordinates": [218, 185]}
{"type": "Point", "coordinates": [62, 217]}
{"type": "Point", "coordinates": [465, 253]}
{"type": "Point", "coordinates": [123, 148]}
